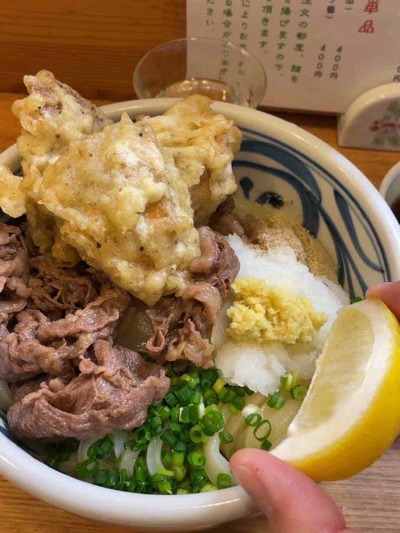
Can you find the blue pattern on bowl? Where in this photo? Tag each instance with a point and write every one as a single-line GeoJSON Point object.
{"type": "Point", "coordinates": [346, 231]}
{"type": "Point", "coordinates": [308, 189]}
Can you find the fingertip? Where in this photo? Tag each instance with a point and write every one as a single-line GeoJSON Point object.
{"type": "Point", "coordinates": [389, 293]}
{"type": "Point", "coordinates": [288, 497]}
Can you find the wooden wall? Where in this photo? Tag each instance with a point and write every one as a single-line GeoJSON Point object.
{"type": "Point", "coordinates": [93, 45]}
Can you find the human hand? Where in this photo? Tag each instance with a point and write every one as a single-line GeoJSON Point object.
{"type": "Point", "coordinates": [292, 502]}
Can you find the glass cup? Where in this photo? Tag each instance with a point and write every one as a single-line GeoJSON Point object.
{"type": "Point", "coordinates": [212, 67]}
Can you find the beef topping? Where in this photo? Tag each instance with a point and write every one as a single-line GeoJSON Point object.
{"type": "Point", "coordinates": [116, 393]}
{"type": "Point", "coordinates": [39, 344]}
{"type": "Point", "coordinates": [181, 324]}
{"type": "Point", "coordinates": [14, 272]}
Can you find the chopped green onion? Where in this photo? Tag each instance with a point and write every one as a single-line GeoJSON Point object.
{"type": "Point", "coordinates": [178, 458]}
{"type": "Point", "coordinates": [226, 437]}
{"type": "Point", "coordinates": [266, 445]}
{"type": "Point", "coordinates": [87, 468]}
{"type": "Point", "coordinates": [168, 437]}
{"type": "Point", "coordinates": [192, 380]}
{"type": "Point", "coordinates": [253, 419]}
{"type": "Point", "coordinates": [184, 420]}
{"type": "Point", "coordinates": [209, 396]}
{"type": "Point", "coordinates": [184, 395]}
{"type": "Point", "coordinates": [165, 472]}
{"type": "Point", "coordinates": [184, 434]}
{"type": "Point", "coordinates": [92, 450]}
{"type": "Point", "coordinates": [212, 422]}
{"type": "Point", "coordinates": [179, 446]}
{"type": "Point", "coordinates": [238, 402]}
{"type": "Point", "coordinates": [175, 414]}
{"type": "Point", "coordinates": [290, 381]}
{"type": "Point", "coordinates": [196, 434]}
{"type": "Point", "coordinates": [179, 472]}
{"type": "Point", "coordinates": [141, 469]}
{"type": "Point", "coordinates": [224, 481]}
{"type": "Point", "coordinates": [155, 422]}
{"type": "Point", "coordinates": [164, 487]}
{"type": "Point", "coordinates": [299, 392]}
{"type": "Point", "coordinates": [196, 459]}
{"type": "Point", "coordinates": [233, 409]}
{"type": "Point", "coordinates": [228, 396]}
{"type": "Point", "coordinates": [175, 427]}
{"type": "Point", "coordinates": [239, 391]}
{"type": "Point", "coordinates": [197, 398]}
{"type": "Point", "coordinates": [171, 399]}
{"type": "Point", "coordinates": [101, 477]}
{"type": "Point", "coordinates": [208, 378]}
{"type": "Point", "coordinates": [113, 478]}
{"type": "Point", "coordinates": [248, 391]}
{"type": "Point", "coordinates": [209, 487]}
{"type": "Point", "coordinates": [198, 478]}
{"type": "Point", "coordinates": [222, 393]}
{"type": "Point", "coordinates": [123, 475]}
{"type": "Point", "coordinates": [355, 300]}
{"type": "Point", "coordinates": [174, 381]}
{"type": "Point", "coordinates": [188, 414]}
{"type": "Point", "coordinates": [185, 484]}
{"type": "Point", "coordinates": [166, 458]}
{"type": "Point", "coordinates": [218, 385]}
{"type": "Point", "coordinates": [163, 411]}
{"type": "Point", "coordinates": [276, 401]}
{"type": "Point", "coordinates": [256, 431]}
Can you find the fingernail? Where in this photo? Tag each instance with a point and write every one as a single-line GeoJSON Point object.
{"type": "Point", "coordinates": [250, 481]}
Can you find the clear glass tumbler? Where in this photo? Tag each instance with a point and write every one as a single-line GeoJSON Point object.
{"type": "Point", "coordinates": [212, 67]}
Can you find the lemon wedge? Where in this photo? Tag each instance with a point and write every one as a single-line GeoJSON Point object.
{"type": "Point", "coordinates": [351, 413]}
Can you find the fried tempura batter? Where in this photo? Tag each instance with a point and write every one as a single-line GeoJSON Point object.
{"type": "Point", "coordinates": [124, 197]}
{"type": "Point", "coordinates": [51, 117]}
{"type": "Point", "coordinates": [124, 208]}
{"type": "Point", "coordinates": [203, 145]}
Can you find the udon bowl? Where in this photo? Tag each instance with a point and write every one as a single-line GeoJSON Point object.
{"type": "Point", "coordinates": [281, 165]}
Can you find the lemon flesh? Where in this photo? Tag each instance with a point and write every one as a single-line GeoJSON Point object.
{"type": "Point", "coordinates": [351, 413]}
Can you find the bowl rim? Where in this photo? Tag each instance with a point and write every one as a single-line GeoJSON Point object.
{"type": "Point", "coordinates": [390, 177]}
{"type": "Point", "coordinates": [194, 510]}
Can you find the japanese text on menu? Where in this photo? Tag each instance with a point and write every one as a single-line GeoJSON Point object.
{"type": "Point", "coordinates": [318, 54]}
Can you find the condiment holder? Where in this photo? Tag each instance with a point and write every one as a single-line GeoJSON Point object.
{"type": "Point", "coordinates": [372, 120]}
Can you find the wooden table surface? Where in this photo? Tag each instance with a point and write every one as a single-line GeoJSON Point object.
{"type": "Point", "coordinates": [370, 500]}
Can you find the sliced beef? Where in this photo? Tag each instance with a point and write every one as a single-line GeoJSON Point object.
{"type": "Point", "coordinates": [226, 222]}
{"type": "Point", "coordinates": [188, 343]}
{"type": "Point", "coordinates": [207, 295]}
{"type": "Point", "coordinates": [59, 289]}
{"type": "Point", "coordinates": [165, 317]}
{"type": "Point", "coordinates": [22, 356]}
{"type": "Point", "coordinates": [116, 393]}
{"type": "Point", "coordinates": [39, 344]}
{"type": "Point", "coordinates": [14, 272]}
{"type": "Point", "coordinates": [181, 324]}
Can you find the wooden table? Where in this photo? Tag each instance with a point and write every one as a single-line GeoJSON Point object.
{"type": "Point", "coordinates": [370, 501]}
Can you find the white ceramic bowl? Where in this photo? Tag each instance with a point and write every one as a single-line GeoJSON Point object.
{"type": "Point", "coordinates": [338, 204]}
{"type": "Point", "coordinates": [390, 186]}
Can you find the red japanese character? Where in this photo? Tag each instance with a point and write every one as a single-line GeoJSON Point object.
{"type": "Point", "coordinates": [367, 27]}
{"type": "Point", "coordinates": [372, 6]}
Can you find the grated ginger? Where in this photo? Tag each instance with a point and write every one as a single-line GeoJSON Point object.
{"type": "Point", "coordinates": [265, 313]}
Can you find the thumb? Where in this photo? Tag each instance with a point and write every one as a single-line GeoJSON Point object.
{"type": "Point", "coordinates": [291, 501]}
{"type": "Point", "coordinates": [389, 293]}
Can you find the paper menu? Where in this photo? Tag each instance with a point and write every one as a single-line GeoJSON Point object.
{"type": "Point", "coordinates": [319, 55]}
